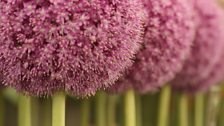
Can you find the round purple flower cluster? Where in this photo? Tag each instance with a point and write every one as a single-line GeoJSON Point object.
{"type": "Point", "coordinates": [206, 49]}
{"type": "Point", "coordinates": [168, 36]}
{"type": "Point", "coordinates": [214, 77]}
{"type": "Point", "coordinates": [78, 46]}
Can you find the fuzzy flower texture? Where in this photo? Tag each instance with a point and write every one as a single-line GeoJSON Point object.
{"type": "Point", "coordinates": [214, 77]}
{"type": "Point", "coordinates": [78, 46]}
{"type": "Point", "coordinates": [167, 40]}
{"type": "Point", "coordinates": [198, 71]}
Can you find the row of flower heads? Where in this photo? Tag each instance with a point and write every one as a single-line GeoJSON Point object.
{"type": "Point", "coordinates": [81, 46]}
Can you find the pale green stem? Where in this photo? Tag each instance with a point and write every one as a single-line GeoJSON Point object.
{"type": "Point", "coordinates": [174, 109]}
{"type": "Point", "coordinates": [35, 111]}
{"type": "Point", "coordinates": [100, 111]}
{"type": "Point", "coordinates": [212, 106]}
{"type": "Point", "coordinates": [149, 113]}
{"type": "Point", "coordinates": [24, 110]}
{"type": "Point", "coordinates": [146, 105]}
{"type": "Point", "coordinates": [183, 109]}
{"type": "Point", "coordinates": [111, 110]}
{"type": "Point", "coordinates": [130, 112]}
{"type": "Point", "coordinates": [199, 109]}
{"type": "Point", "coordinates": [85, 112]}
{"type": "Point", "coordinates": [120, 112]}
{"type": "Point", "coordinates": [138, 110]}
{"type": "Point", "coordinates": [221, 113]}
{"type": "Point", "coordinates": [2, 109]}
{"type": "Point", "coordinates": [58, 109]}
{"type": "Point", "coordinates": [11, 95]}
{"type": "Point", "coordinates": [46, 109]}
{"type": "Point", "coordinates": [164, 106]}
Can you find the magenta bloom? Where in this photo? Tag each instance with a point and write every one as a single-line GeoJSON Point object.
{"type": "Point", "coordinates": [168, 36]}
{"type": "Point", "coordinates": [78, 46]}
{"type": "Point", "coordinates": [206, 48]}
{"type": "Point", "coordinates": [214, 77]}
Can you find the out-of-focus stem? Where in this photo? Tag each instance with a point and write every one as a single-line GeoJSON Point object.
{"type": "Point", "coordinates": [212, 106]}
{"type": "Point", "coordinates": [130, 110]}
{"type": "Point", "coordinates": [58, 109]}
{"type": "Point", "coordinates": [85, 112]}
{"type": "Point", "coordinates": [35, 111]}
{"type": "Point", "coordinates": [199, 109]}
{"type": "Point", "coordinates": [2, 109]}
{"type": "Point", "coordinates": [47, 116]}
{"type": "Point", "coordinates": [100, 110]}
{"type": "Point", "coordinates": [221, 107]}
{"type": "Point", "coordinates": [138, 110]}
{"type": "Point", "coordinates": [149, 115]}
{"type": "Point", "coordinates": [111, 110]}
{"type": "Point", "coordinates": [164, 105]}
{"type": "Point", "coordinates": [24, 107]}
{"type": "Point", "coordinates": [183, 109]}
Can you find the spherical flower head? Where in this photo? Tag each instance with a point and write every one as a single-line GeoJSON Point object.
{"type": "Point", "coordinates": [168, 36]}
{"type": "Point", "coordinates": [214, 77]}
{"type": "Point", "coordinates": [77, 46]}
{"type": "Point", "coordinates": [206, 48]}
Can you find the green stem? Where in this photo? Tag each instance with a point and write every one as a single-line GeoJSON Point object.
{"type": "Point", "coordinates": [120, 112]}
{"type": "Point", "coordinates": [221, 108]}
{"type": "Point", "coordinates": [183, 109]}
{"type": "Point", "coordinates": [58, 109]}
{"type": "Point", "coordinates": [46, 115]}
{"type": "Point", "coordinates": [164, 105]}
{"type": "Point", "coordinates": [85, 112]}
{"type": "Point", "coordinates": [149, 103]}
{"type": "Point", "coordinates": [174, 110]}
{"type": "Point", "coordinates": [221, 113]}
{"type": "Point", "coordinates": [212, 106]}
{"type": "Point", "coordinates": [24, 114]}
{"type": "Point", "coordinates": [2, 108]}
{"type": "Point", "coordinates": [111, 110]}
{"type": "Point", "coordinates": [199, 109]}
{"type": "Point", "coordinates": [146, 105]}
{"type": "Point", "coordinates": [138, 110]}
{"type": "Point", "coordinates": [130, 112]}
{"type": "Point", "coordinates": [11, 95]}
{"type": "Point", "coordinates": [100, 109]}
{"type": "Point", "coordinates": [35, 111]}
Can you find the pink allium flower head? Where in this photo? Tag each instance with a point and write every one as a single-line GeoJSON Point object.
{"type": "Point", "coordinates": [78, 46]}
{"type": "Point", "coordinates": [168, 36]}
{"type": "Point", "coordinates": [214, 77]}
{"type": "Point", "coordinates": [206, 48]}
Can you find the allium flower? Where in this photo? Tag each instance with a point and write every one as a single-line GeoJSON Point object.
{"type": "Point", "coordinates": [78, 46]}
{"type": "Point", "coordinates": [206, 48]}
{"type": "Point", "coordinates": [168, 37]}
{"type": "Point", "coordinates": [214, 77]}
